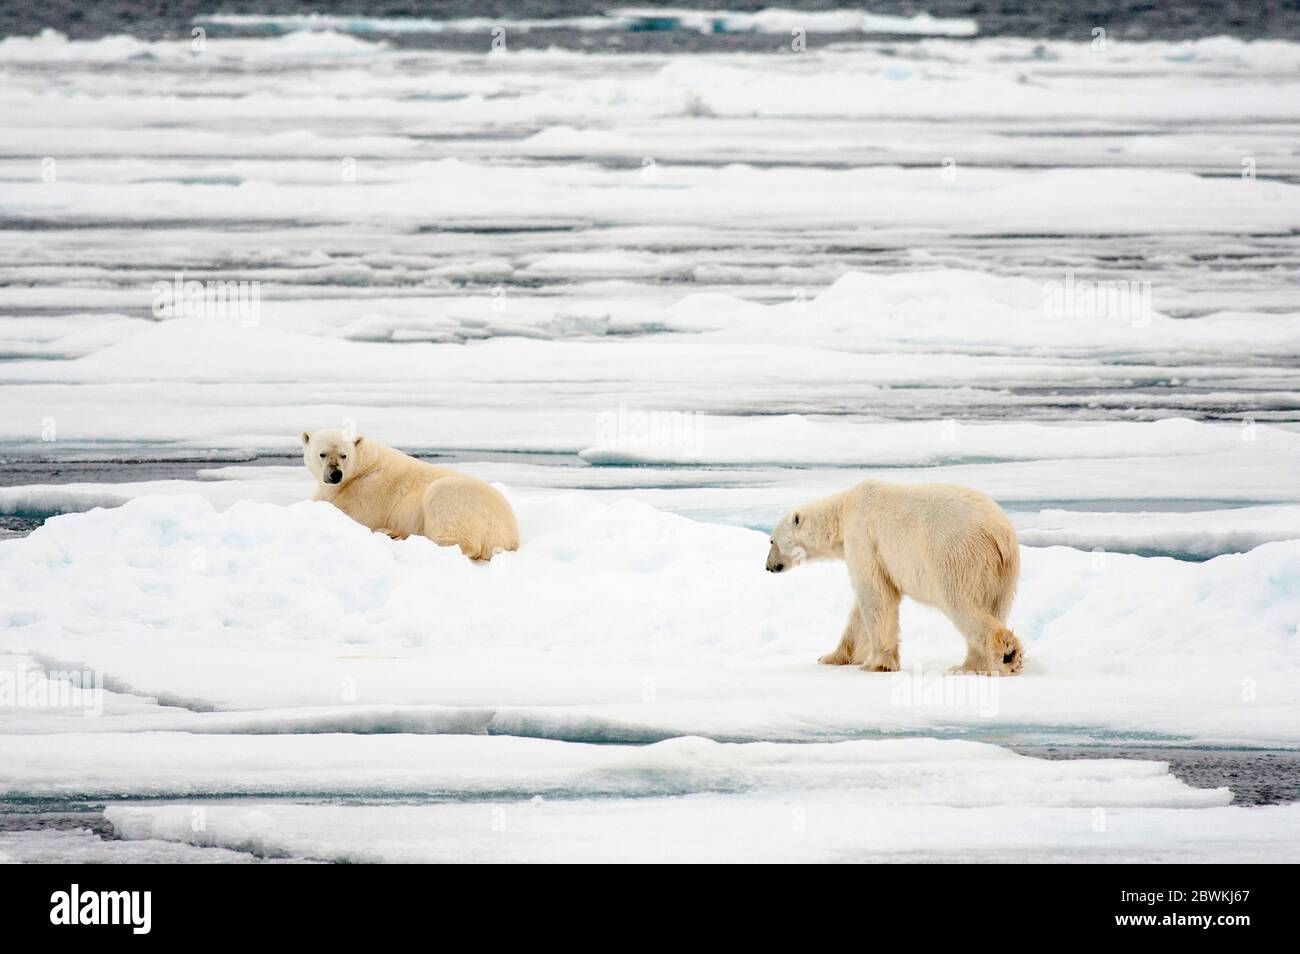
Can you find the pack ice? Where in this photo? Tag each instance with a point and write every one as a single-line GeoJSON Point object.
{"type": "Point", "coordinates": [653, 359]}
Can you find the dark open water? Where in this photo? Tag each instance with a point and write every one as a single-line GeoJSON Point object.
{"type": "Point", "coordinates": [1055, 19]}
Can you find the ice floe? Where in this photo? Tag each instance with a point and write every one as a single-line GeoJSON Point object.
{"type": "Point", "coordinates": [622, 622]}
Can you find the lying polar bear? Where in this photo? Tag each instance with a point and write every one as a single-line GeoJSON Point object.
{"type": "Point", "coordinates": [388, 491]}
{"type": "Point", "coordinates": [942, 545]}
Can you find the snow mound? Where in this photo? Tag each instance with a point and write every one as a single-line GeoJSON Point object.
{"type": "Point", "coordinates": [955, 309]}
{"type": "Point", "coordinates": [624, 622]}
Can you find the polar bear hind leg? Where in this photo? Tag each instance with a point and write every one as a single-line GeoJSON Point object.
{"type": "Point", "coordinates": [991, 648]}
{"type": "Point", "coordinates": [462, 513]}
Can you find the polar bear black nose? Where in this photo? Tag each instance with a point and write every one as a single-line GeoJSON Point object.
{"type": "Point", "coordinates": [334, 476]}
{"type": "Point", "coordinates": [777, 568]}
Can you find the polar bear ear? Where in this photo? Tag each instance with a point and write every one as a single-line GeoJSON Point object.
{"type": "Point", "coordinates": [306, 438]}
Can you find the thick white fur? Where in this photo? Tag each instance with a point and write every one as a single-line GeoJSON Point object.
{"type": "Point", "coordinates": [388, 491]}
{"type": "Point", "coordinates": [943, 545]}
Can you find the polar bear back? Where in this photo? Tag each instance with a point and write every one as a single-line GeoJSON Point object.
{"type": "Point", "coordinates": [941, 544]}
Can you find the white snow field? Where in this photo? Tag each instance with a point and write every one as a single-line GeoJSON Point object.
{"type": "Point", "coordinates": [658, 299]}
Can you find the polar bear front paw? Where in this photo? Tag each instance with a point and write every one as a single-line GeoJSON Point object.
{"type": "Point", "coordinates": [974, 671]}
{"type": "Point", "coordinates": [836, 658]}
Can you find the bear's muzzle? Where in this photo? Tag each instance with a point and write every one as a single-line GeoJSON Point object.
{"type": "Point", "coordinates": [776, 562]}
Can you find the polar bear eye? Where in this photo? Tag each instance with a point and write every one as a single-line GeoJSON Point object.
{"type": "Point", "coordinates": [343, 456]}
{"type": "Point", "coordinates": [322, 456]}
{"type": "Point", "coordinates": [796, 520]}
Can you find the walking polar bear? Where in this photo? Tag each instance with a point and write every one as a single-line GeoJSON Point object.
{"type": "Point", "coordinates": [388, 491]}
{"type": "Point", "coordinates": [946, 546]}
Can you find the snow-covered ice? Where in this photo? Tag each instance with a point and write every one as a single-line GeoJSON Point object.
{"type": "Point", "coordinates": [892, 772]}
{"type": "Point", "coordinates": [265, 607]}
{"type": "Point", "coordinates": [84, 847]}
{"type": "Point", "coordinates": [834, 826]}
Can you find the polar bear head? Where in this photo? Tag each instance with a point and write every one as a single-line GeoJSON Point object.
{"type": "Point", "coordinates": [810, 532]}
{"type": "Point", "coordinates": [787, 548]}
{"type": "Point", "coordinates": [332, 455]}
